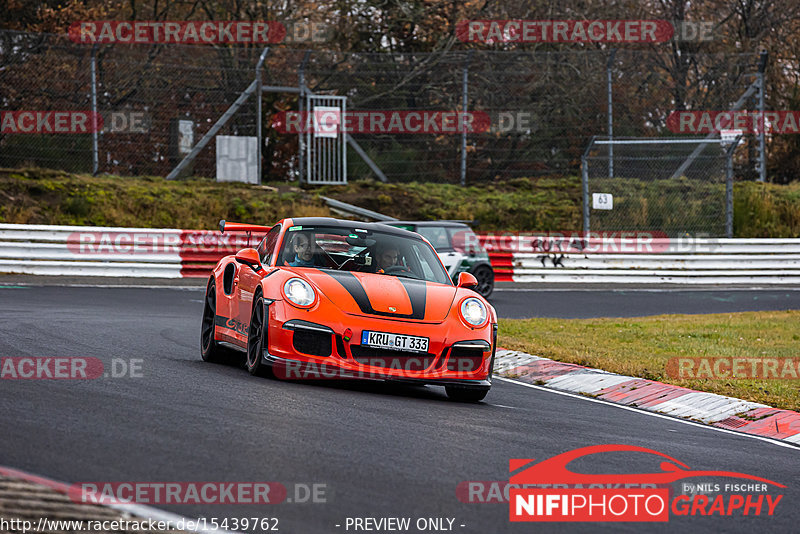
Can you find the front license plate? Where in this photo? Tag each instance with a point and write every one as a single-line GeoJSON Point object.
{"type": "Point", "coordinates": [384, 340]}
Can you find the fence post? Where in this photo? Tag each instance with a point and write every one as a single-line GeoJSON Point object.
{"type": "Point", "coordinates": [259, 89]}
{"type": "Point", "coordinates": [301, 80]}
{"type": "Point", "coordinates": [609, 66]}
{"type": "Point", "coordinates": [585, 194]}
{"type": "Point", "coordinates": [729, 187]}
{"type": "Point", "coordinates": [463, 121]}
{"type": "Point", "coordinates": [762, 148]}
{"type": "Point", "coordinates": [95, 134]}
{"type": "Point", "coordinates": [585, 185]}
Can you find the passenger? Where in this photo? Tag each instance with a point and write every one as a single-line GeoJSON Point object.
{"type": "Point", "coordinates": [386, 256]}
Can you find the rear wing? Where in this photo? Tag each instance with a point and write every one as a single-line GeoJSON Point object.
{"type": "Point", "coordinates": [242, 227]}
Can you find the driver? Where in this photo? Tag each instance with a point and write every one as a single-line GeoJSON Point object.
{"type": "Point", "coordinates": [305, 251]}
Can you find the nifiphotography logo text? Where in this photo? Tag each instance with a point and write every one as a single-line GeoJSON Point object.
{"type": "Point", "coordinates": [572, 496]}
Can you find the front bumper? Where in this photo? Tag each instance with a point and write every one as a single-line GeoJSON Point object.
{"type": "Point", "coordinates": [301, 346]}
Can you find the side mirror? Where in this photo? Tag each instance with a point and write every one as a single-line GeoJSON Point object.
{"type": "Point", "coordinates": [467, 280]}
{"type": "Point", "coordinates": [249, 256]}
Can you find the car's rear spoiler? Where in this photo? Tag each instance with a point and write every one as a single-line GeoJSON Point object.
{"type": "Point", "coordinates": [242, 227]}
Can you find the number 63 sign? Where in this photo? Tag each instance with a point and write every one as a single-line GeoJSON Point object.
{"type": "Point", "coordinates": [602, 201]}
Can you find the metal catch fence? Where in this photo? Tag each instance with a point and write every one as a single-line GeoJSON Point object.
{"type": "Point", "coordinates": [532, 111]}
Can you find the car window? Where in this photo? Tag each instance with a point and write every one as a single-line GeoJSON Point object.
{"type": "Point", "coordinates": [425, 267]}
{"type": "Point", "coordinates": [361, 250]}
{"type": "Point", "coordinates": [437, 235]}
{"type": "Point", "coordinates": [266, 248]}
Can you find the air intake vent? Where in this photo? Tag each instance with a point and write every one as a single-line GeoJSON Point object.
{"type": "Point", "coordinates": [313, 343]}
{"type": "Point", "coordinates": [465, 359]}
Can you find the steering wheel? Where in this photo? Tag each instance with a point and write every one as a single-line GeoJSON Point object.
{"type": "Point", "coordinates": [399, 269]}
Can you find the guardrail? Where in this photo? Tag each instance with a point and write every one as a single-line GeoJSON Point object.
{"type": "Point", "coordinates": [114, 252]}
{"type": "Point", "coordinates": [349, 210]}
{"type": "Point", "coordinates": [640, 259]}
{"type": "Point", "coordinates": [174, 253]}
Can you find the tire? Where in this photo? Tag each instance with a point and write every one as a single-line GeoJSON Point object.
{"type": "Point", "coordinates": [210, 350]}
{"type": "Point", "coordinates": [257, 340]}
{"type": "Point", "coordinates": [485, 276]}
{"type": "Point", "coordinates": [466, 394]}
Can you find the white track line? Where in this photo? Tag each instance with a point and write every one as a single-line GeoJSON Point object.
{"type": "Point", "coordinates": [644, 290]}
{"type": "Point", "coordinates": [114, 286]}
{"type": "Point", "coordinates": [652, 414]}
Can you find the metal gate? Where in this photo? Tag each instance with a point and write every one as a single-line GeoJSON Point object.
{"type": "Point", "coordinates": [325, 143]}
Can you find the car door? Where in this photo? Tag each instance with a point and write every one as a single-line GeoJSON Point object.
{"type": "Point", "coordinates": [249, 278]}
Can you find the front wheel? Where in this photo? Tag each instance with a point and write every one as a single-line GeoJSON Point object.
{"type": "Point", "coordinates": [465, 393]}
{"type": "Point", "coordinates": [210, 350]}
{"type": "Point", "coordinates": [257, 340]}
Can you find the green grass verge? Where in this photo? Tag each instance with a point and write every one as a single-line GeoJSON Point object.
{"type": "Point", "coordinates": [38, 196]}
{"type": "Point", "coordinates": [642, 346]}
{"type": "Point", "coordinates": [54, 197]}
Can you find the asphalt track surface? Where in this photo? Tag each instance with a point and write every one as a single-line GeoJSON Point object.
{"type": "Point", "coordinates": [380, 451]}
{"type": "Point", "coordinates": [518, 301]}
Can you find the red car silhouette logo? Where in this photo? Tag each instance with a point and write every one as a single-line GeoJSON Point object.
{"type": "Point", "coordinates": [554, 470]}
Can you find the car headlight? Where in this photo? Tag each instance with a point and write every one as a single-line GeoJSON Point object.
{"type": "Point", "coordinates": [473, 311]}
{"type": "Point", "coordinates": [299, 292]}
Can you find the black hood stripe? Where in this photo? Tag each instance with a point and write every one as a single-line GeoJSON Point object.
{"type": "Point", "coordinates": [416, 290]}
{"type": "Point", "coordinates": [417, 294]}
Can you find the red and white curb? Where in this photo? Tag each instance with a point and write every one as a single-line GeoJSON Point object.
{"type": "Point", "coordinates": [129, 510]}
{"type": "Point", "coordinates": [708, 408]}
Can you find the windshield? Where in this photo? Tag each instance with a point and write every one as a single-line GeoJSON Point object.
{"type": "Point", "coordinates": [361, 250]}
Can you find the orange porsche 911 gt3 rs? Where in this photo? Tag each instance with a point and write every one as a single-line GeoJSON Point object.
{"type": "Point", "coordinates": [323, 298]}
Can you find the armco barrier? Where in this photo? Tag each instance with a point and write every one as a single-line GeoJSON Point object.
{"type": "Point", "coordinates": [173, 253]}
{"type": "Point", "coordinates": [637, 258]}
{"type": "Point", "coordinates": [114, 252]}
